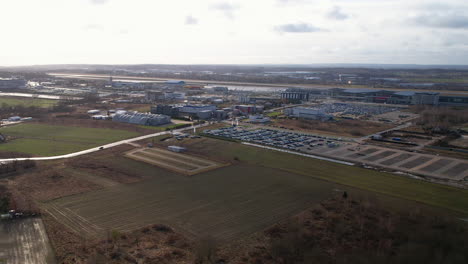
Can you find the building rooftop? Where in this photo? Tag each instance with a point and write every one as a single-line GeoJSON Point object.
{"type": "Point", "coordinates": [405, 93]}
{"type": "Point", "coordinates": [361, 90]}
{"type": "Point", "coordinates": [175, 82]}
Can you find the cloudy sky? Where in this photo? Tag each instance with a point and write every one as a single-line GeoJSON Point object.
{"type": "Point", "coordinates": [234, 31]}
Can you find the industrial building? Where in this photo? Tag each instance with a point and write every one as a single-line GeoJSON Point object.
{"type": "Point", "coordinates": [384, 96]}
{"type": "Point", "coordinates": [188, 111]}
{"type": "Point", "coordinates": [174, 96]}
{"type": "Point", "coordinates": [142, 119]}
{"type": "Point", "coordinates": [453, 100]}
{"type": "Point", "coordinates": [295, 95]}
{"type": "Point", "coordinates": [362, 95]}
{"type": "Point", "coordinates": [169, 110]}
{"type": "Point", "coordinates": [307, 113]}
{"type": "Point", "coordinates": [220, 114]}
{"type": "Point", "coordinates": [175, 82]}
{"type": "Point", "coordinates": [248, 109]}
{"type": "Point", "coordinates": [196, 108]}
{"type": "Point", "coordinates": [152, 96]}
{"type": "Point", "coordinates": [12, 83]}
{"type": "Point", "coordinates": [220, 89]}
{"type": "Point", "coordinates": [425, 98]}
{"type": "Point", "coordinates": [372, 96]}
{"type": "Point", "coordinates": [258, 119]}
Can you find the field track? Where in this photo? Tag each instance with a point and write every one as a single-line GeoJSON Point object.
{"type": "Point", "coordinates": [180, 163]}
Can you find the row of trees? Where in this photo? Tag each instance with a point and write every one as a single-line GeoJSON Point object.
{"type": "Point", "coordinates": [440, 119]}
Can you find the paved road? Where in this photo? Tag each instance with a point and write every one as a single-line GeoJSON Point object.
{"type": "Point", "coordinates": [110, 145]}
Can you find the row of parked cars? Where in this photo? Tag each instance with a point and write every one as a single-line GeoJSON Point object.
{"type": "Point", "coordinates": [276, 138]}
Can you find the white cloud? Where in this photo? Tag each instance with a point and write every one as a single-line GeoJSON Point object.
{"type": "Point", "coordinates": [336, 14]}
{"type": "Point", "coordinates": [297, 28]}
{"type": "Point", "coordinates": [156, 31]}
{"type": "Point", "coordinates": [99, 2]}
{"type": "Point", "coordinates": [190, 20]}
{"type": "Point", "coordinates": [227, 8]}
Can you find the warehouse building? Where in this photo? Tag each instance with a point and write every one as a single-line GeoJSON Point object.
{"type": "Point", "coordinates": [169, 110]}
{"type": "Point", "coordinates": [189, 111]}
{"type": "Point", "coordinates": [453, 100]}
{"type": "Point", "coordinates": [142, 119]}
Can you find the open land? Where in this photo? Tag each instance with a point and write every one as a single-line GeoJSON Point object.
{"type": "Point", "coordinates": [371, 180]}
{"type": "Point", "coordinates": [348, 128]}
{"type": "Point", "coordinates": [225, 204]}
{"type": "Point", "coordinates": [26, 102]}
{"type": "Point", "coordinates": [49, 140]}
{"type": "Point", "coordinates": [229, 203]}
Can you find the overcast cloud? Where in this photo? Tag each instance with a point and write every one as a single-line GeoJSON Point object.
{"type": "Point", "coordinates": [234, 31]}
{"type": "Point", "coordinates": [297, 28]}
{"type": "Point", "coordinates": [190, 20]}
{"type": "Point", "coordinates": [337, 14]}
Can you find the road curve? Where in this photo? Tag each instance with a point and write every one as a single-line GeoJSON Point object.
{"type": "Point", "coordinates": [91, 150]}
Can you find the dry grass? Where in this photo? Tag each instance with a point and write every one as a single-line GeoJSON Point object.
{"type": "Point", "coordinates": [152, 244]}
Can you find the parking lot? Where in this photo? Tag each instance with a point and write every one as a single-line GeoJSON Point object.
{"type": "Point", "coordinates": [277, 138]}
{"type": "Point", "coordinates": [341, 149]}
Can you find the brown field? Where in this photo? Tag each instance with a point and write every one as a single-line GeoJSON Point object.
{"type": "Point", "coordinates": [350, 128]}
{"type": "Point", "coordinates": [177, 162]}
{"type": "Point", "coordinates": [225, 204]}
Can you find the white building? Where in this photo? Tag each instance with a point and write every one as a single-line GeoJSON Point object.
{"type": "Point", "coordinates": [174, 96]}
{"type": "Point", "coordinates": [307, 113]}
{"type": "Point", "coordinates": [142, 119]}
{"type": "Point", "coordinates": [94, 112]}
{"type": "Point", "coordinates": [176, 148]}
{"type": "Point", "coordinates": [258, 119]}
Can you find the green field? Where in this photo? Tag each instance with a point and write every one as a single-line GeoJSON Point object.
{"type": "Point", "coordinates": [438, 195]}
{"type": "Point", "coordinates": [27, 102]}
{"type": "Point", "coordinates": [274, 114]}
{"type": "Point", "coordinates": [50, 140]}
